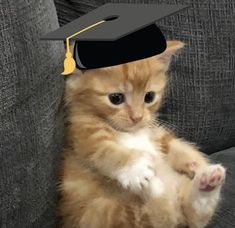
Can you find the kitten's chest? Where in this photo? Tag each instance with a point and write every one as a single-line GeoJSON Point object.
{"type": "Point", "coordinates": [139, 140]}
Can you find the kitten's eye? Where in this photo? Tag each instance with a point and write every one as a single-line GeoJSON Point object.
{"type": "Point", "coordinates": [116, 98]}
{"type": "Point", "coordinates": [149, 97]}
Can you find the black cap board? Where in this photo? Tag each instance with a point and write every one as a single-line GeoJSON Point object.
{"type": "Point", "coordinates": [114, 34]}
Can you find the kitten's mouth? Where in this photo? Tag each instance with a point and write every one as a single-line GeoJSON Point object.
{"type": "Point", "coordinates": [130, 128]}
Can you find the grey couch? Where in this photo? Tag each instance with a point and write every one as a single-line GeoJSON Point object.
{"type": "Point", "coordinates": [200, 101]}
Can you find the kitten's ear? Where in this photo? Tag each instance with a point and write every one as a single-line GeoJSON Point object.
{"type": "Point", "coordinates": [172, 47]}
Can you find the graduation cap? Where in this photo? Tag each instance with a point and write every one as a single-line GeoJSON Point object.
{"type": "Point", "coordinates": [114, 34]}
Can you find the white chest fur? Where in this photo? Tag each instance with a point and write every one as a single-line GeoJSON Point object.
{"type": "Point", "coordinates": [140, 140]}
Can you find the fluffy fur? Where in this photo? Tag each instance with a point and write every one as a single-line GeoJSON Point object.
{"type": "Point", "coordinates": [121, 168]}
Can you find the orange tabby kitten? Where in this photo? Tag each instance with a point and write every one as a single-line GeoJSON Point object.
{"type": "Point", "coordinates": [121, 168]}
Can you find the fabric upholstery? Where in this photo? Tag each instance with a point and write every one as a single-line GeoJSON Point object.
{"type": "Point", "coordinates": [200, 101]}
{"type": "Point", "coordinates": [31, 123]}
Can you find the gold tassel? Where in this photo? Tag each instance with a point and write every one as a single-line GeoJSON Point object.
{"type": "Point", "coordinates": [69, 62]}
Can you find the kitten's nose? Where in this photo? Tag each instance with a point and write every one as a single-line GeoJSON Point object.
{"type": "Point", "coordinates": [137, 117]}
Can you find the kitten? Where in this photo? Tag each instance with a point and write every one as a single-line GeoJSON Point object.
{"type": "Point", "coordinates": [121, 168]}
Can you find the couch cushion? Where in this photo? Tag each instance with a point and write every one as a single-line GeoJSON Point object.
{"type": "Point", "coordinates": [31, 125]}
{"type": "Point", "coordinates": [200, 102]}
{"type": "Point", "coordinates": [225, 215]}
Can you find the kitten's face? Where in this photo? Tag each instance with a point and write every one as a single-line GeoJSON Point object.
{"type": "Point", "coordinates": [126, 96]}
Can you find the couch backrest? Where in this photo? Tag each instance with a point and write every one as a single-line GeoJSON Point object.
{"type": "Point", "coordinates": [31, 120]}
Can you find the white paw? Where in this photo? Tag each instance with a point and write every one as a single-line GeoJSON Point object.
{"type": "Point", "coordinates": [137, 176]}
{"type": "Point", "coordinates": [210, 177]}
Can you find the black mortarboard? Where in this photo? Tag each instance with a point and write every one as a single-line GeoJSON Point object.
{"type": "Point", "coordinates": [114, 34]}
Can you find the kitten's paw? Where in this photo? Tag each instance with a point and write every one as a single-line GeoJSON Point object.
{"type": "Point", "coordinates": [210, 177]}
{"type": "Point", "coordinates": [191, 168]}
{"type": "Point", "coordinates": [138, 175]}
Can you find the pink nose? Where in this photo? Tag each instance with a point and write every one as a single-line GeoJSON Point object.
{"type": "Point", "coordinates": [136, 118]}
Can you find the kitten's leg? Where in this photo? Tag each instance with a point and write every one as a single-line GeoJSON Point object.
{"type": "Point", "coordinates": [162, 212]}
{"type": "Point", "coordinates": [99, 213]}
{"type": "Point", "coordinates": [110, 213]}
{"type": "Point", "coordinates": [182, 156]}
{"type": "Point", "coordinates": [202, 196]}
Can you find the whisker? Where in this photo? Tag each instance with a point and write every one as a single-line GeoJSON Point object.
{"type": "Point", "coordinates": [168, 125]}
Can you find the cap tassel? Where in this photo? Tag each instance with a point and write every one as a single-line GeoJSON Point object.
{"type": "Point", "coordinates": [69, 62]}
